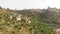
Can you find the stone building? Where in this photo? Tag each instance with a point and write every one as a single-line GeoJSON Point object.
{"type": "Point", "coordinates": [26, 19]}
{"type": "Point", "coordinates": [18, 17]}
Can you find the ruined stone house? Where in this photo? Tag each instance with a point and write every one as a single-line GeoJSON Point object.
{"type": "Point", "coordinates": [26, 19]}
{"type": "Point", "coordinates": [18, 17]}
{"type": "Point", "coordinates": [10, 17]}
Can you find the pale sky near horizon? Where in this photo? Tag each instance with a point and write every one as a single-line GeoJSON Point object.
{"type": "Point", "coordinates": [22, 4]}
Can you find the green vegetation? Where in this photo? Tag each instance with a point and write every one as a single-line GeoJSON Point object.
{"type": "Point", "coordinates": [9, 25]}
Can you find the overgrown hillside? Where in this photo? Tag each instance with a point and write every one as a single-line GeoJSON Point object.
{"type": "Point", "coordinates": [22, 23]}
{"type": "Point", "coordinates": [49, 16]}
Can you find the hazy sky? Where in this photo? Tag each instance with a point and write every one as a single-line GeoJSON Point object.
{"type": "Point", "coordinates": [22, 4]}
